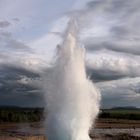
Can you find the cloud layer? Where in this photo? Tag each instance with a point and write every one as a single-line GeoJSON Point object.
{"type": "Point", "coordinates": [108, 29]}
{"type": "Point", "coordinates": [19, 86]}
{"type": "Point", "coordinates": [110, 34]}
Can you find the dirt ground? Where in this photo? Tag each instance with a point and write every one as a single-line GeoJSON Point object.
{"type": "Point", "coordinates": [106, 137]}
{"type": "Point", "coordinates": [117, 123]}
{"type": "Point", "coordinates": [117, 137]}
{"type": "Point", "coordinates": [22, 138]}
{"type": "Point", "coordinates": [100, 124]}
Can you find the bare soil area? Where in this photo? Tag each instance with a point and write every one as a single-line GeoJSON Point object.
{"type": "Point", "coordinates": [16, 137]}
{"type": "Point", "coordinates": [5, 134]}
{"type": "Point", "coordinates": [117, 123]}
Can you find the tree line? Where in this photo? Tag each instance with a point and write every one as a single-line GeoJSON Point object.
{"type": "Point", "coordinates": [17, 114]}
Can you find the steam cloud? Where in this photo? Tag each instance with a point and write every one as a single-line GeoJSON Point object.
{"type": "Point", "coordinates": [72, 100]}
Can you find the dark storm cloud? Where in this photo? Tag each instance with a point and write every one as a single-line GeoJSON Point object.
{"type": "Point", "coordinates": [18, 87]}
{"type": "Point", "coordinates": [121, 92]}
{"type": "Point", "coordinates": [20, 100]}
{"type": "Point", "coordinates": [104, 75]}
{"type": "Point", "coordinates": [15, 72]}
{"type": "Point", "coordinates": [4, 24]}
{"type": "Point", "coordinates": [18, 84]}
{"type": "Point", "coordinates": [126, 46]}
{"type": "Point", "coordinates": [109, 102]}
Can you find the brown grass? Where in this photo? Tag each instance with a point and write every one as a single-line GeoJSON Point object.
{"type": "Point", "coordinates": [117, 123]}
{"type": "Point", "coordinates": [22, 138]}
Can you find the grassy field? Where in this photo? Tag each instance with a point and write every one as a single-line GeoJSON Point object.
{"type": "Point", "coordinates": [20, 114]}
{"type": "Point", "coordinates": [119, 118]}
{"type": "Point", "coordinates": [121, 113]}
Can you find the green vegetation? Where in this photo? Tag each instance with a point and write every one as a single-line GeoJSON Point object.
{"type": "Point", "coordinates": [121, 113]}
{"type": "Point", "coordinates": [18, 114]}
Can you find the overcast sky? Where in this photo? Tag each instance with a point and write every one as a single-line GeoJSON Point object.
{"type": "Point", "coordinates": [108, 29]}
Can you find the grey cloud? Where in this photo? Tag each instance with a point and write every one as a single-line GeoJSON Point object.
{"type": "Point", "coordinates": [109, 102]}
{"type": "Point", "coordinates": [12, 90]}
{"type": "Point", "coordinates": [13, 44]}
{"type": "Point", "coordinates": [106, 65]}
{"type": "Point", "coordinates": [19, 100]}
{"type": "Point", "coordinates": [125, 9]}
{"type": "Point", "coordinates": [104, 75]}
{"type": "Point", "coordinates": [119, 31]}
{"type": "Point", "coordinates": [5, 34]}
{"type": "Point", "coordinates": [2, 56]}
{"type": "Point", "coordinates": [96, 4]}
{"type": "Point", "coordinates": [16, 72]}
{"type": "Point", "coordinates": [4, 24]}
{"type": "Point", "coordinates": [130, 46]}
{"type": "Point", "coordinates": [127, 83]}
{"type": "Point", "coordinates": [121, 19]}
{"type": "Point", "coordinates": [16, 19]}
{"type": "Point", "coordinates": [7, 43]}
{"type": "Point", "coordinates": [122, 9]}
{"type": "Point", "coordinates": [16, 52]}
{"type": "Point", "coordinates": [120, 92]}
{"type": "Point", "coordinates": [10, 46]}
{"type": "Point", "coordinates": [118, 79]}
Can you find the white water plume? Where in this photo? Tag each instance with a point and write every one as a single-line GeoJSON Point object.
{"type": "Point", "coordinates": [72, 99]}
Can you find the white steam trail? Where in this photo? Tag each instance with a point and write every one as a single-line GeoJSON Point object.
{"type": "Point", "coordinates": [72, 100]}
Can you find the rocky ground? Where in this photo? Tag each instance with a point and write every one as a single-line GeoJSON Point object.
{"type": "Point", "coordinates": [22, 137]}
{"type": "Point", "coordinates": [5, 134]}
{"type": "Point", "coordinates": [41, 137]}
{"type": "Point", "coordinates": [120, 136]}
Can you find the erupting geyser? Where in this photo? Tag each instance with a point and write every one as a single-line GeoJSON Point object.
{"type": "Point", "coordinates": [72, 100]}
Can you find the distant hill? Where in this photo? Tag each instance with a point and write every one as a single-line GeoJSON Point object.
{"type": "Point", "coordinates": [125, 107]}
{"type": "Point", "coordinates": [18, 107]}
{"type": "Point", "coordinates": [9, 107]}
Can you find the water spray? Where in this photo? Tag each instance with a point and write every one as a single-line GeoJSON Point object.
{"type": "Point", "coordinates": [72, 99]}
